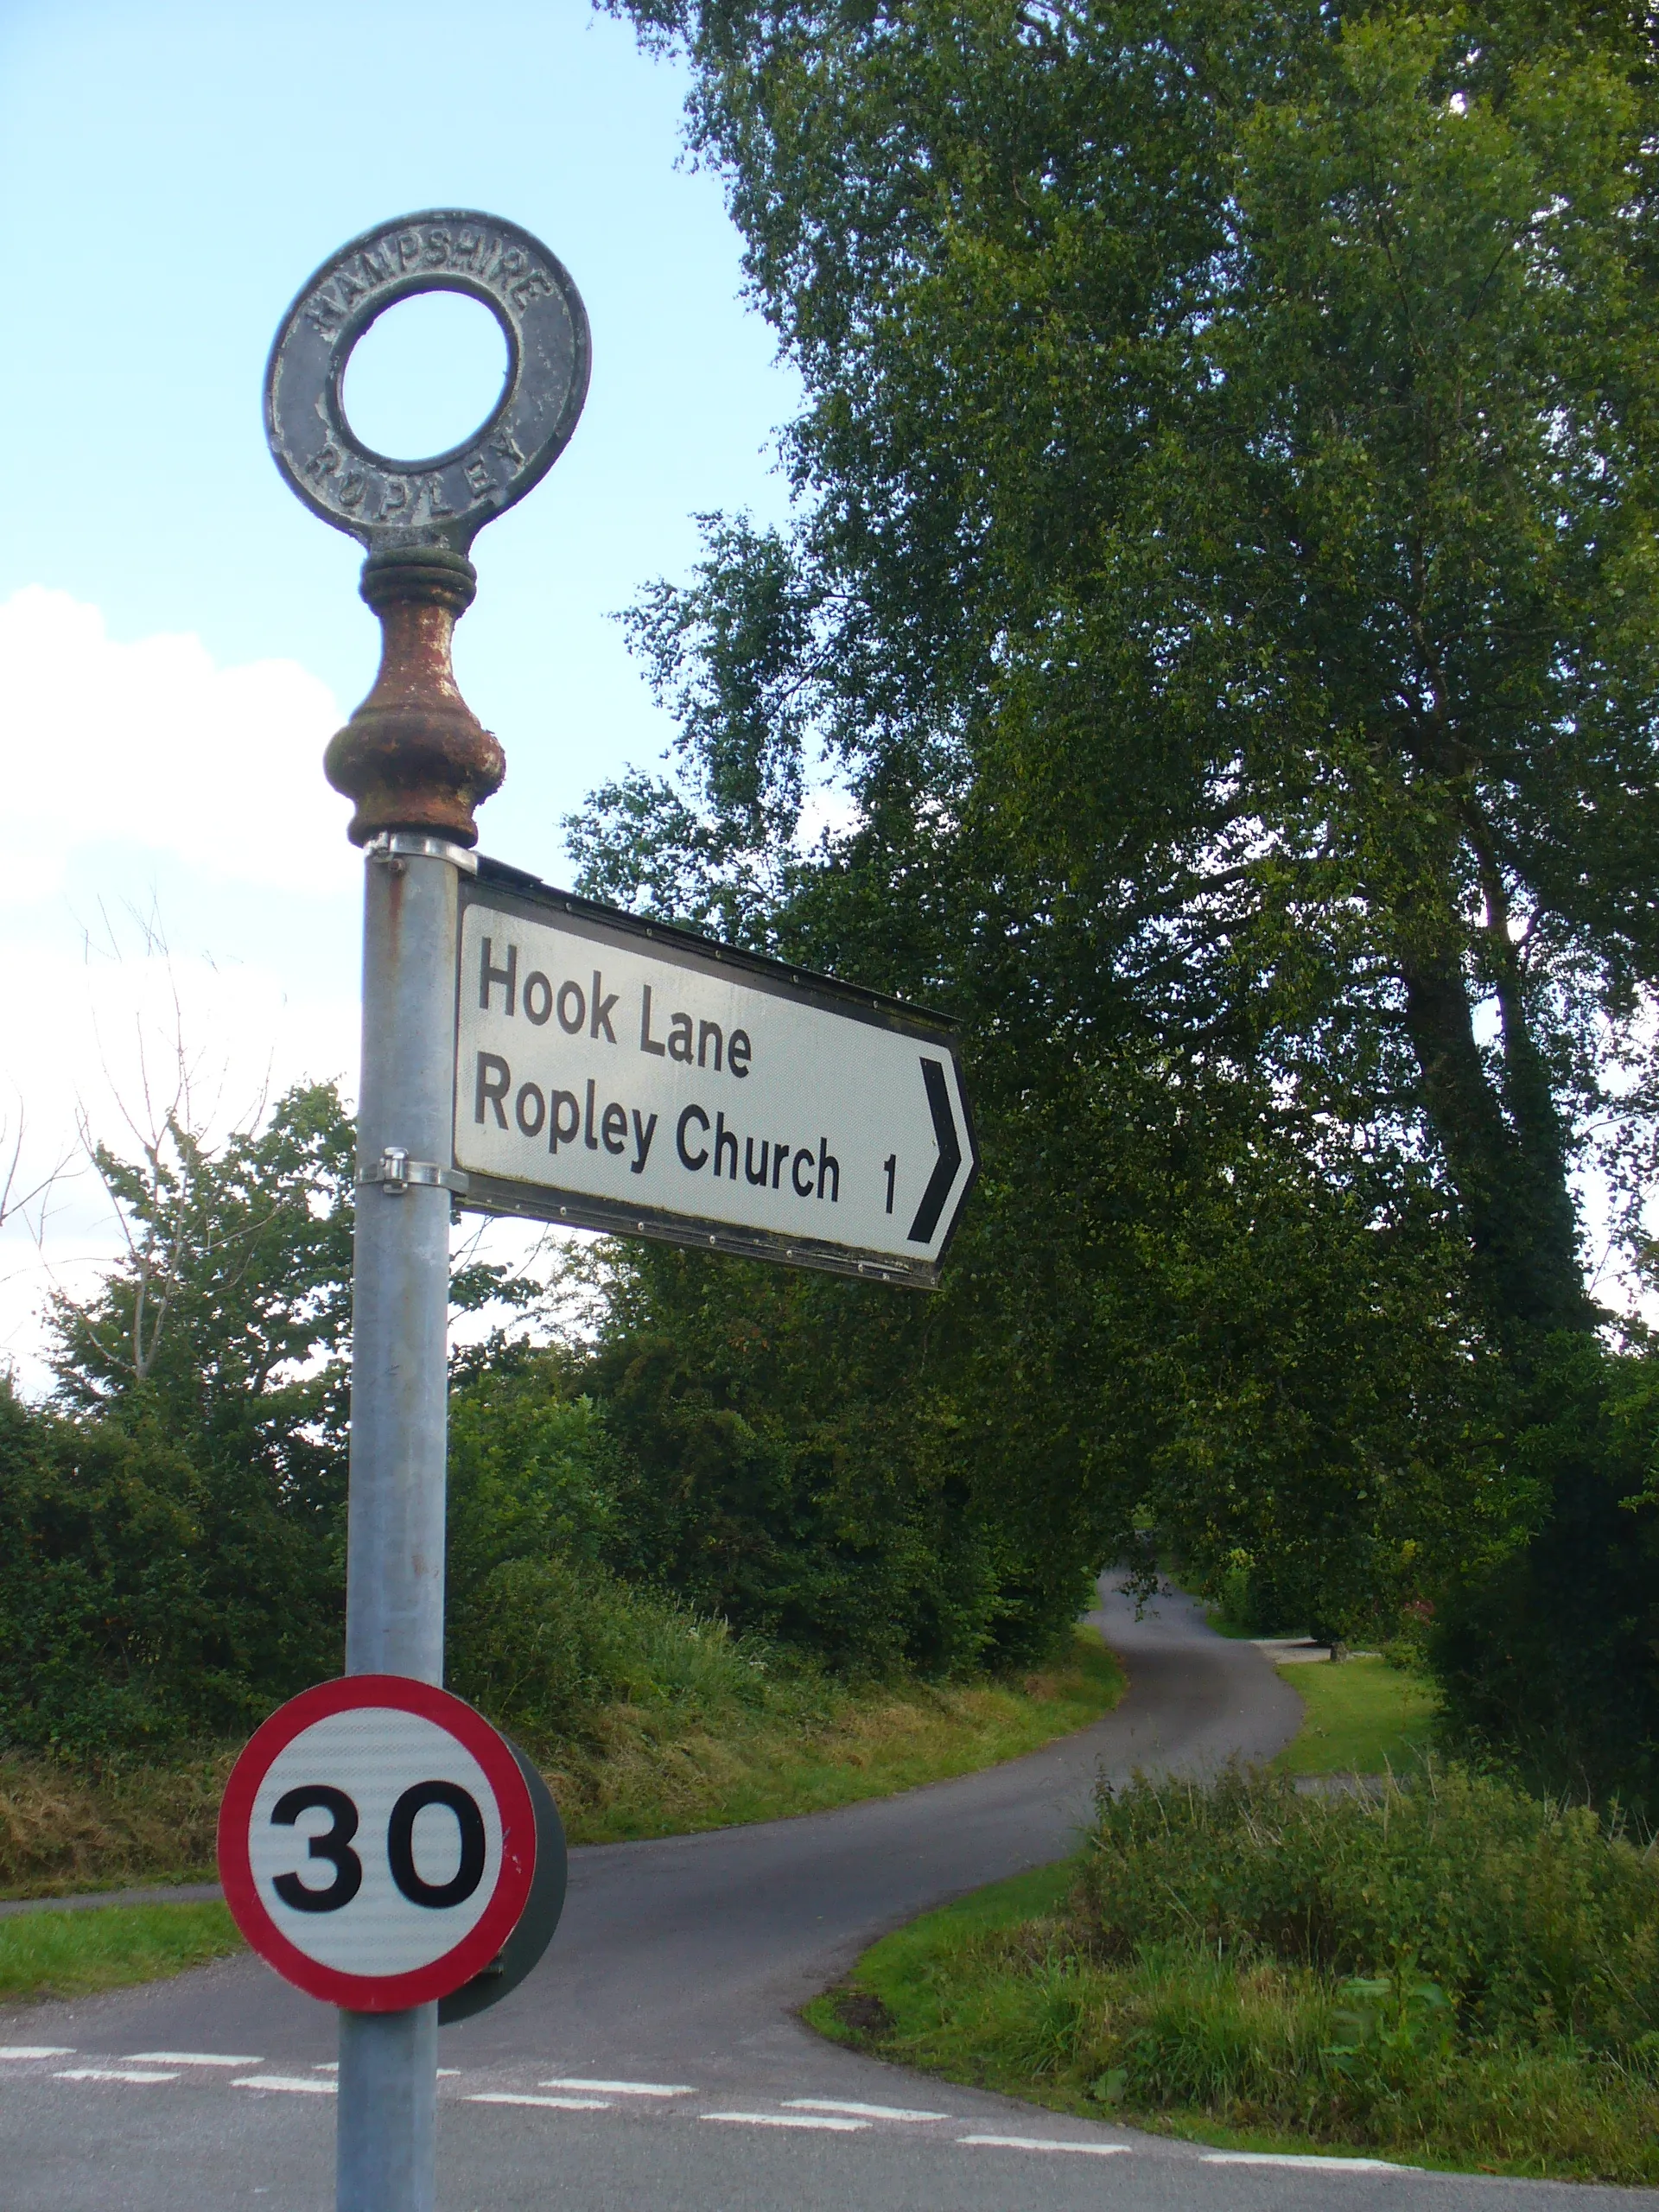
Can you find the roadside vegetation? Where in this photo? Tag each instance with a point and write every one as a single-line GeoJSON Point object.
{"type": "Point", "coordinates": [1364, 1715]}
{"type": "Point", "coordinates": [1218, 588]}
{"type": "Point", "coordinates": [681, 1728]}
{"type": "Point", "coordinates": [1456, 1973]}
{"type": "Point", "coordinates": [693, 1602]}
{"type": "Point", "coordinates": [78, 1953]}
{"type": "Point", "coordinates": [764, 1748]}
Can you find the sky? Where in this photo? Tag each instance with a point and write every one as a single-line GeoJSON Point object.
{"type": "Point", "coordinates": [179, 637]}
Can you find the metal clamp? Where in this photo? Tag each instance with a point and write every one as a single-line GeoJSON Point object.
{"type": "Point", "coordinates": [396, 1172]}
{"type": "Point", "coordinates": [398, 844]}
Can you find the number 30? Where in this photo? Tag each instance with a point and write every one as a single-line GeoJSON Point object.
{"type": "Point", "coordinates": [334, 1845]}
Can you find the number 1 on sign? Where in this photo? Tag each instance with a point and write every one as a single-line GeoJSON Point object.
{"type": "Point", "coordinates": [891, 1164]}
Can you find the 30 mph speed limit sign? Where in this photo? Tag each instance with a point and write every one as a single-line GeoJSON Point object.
{"type": "Point", "coordinates": [377, 1842]}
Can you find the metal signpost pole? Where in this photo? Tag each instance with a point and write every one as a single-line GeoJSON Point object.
{"type": "Point", "coordinates": [417, 762]}
{"type": "Point", "coordinates": [400, 1289]}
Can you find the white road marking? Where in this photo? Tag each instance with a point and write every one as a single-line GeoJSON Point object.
{"type": "Point", "coordinates": [548, 2104]}
{"type": "Point", "coordinates": [863, 2111]}
{"type": "Point", "coordinates": [782, 2120]}
{"type": "Point", "coordinates": [300, 2082]}
{"type": "Point", "coordinates": [37, 2051]}
{"type": "Point", "coordinates": [622, 2088]}
{"type": "Point", "coordinates": [111, 2074]}
{"type": "Point", "coordinates": [1309, 2161]}
{"type": "Point", "coordinates": [191, 2058]}
{"type": "Point", "coordinates": [1045, 2142]}
{"type": "Point", "coordinates": [325, 2066]}
{"type": "Point", "coordinates": [445, 2073]}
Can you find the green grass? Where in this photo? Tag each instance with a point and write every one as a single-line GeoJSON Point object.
{"type": "Point", "coordinates": [1459, 1977]}
{"type": "Point", "coordinates": [77, 1954]}
{"type": "Point", "coordinates": [810, 1745]}
{"type": "Point", "coordinates": [1363, 1717]}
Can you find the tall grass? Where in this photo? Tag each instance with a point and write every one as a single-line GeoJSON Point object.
{"type": "Point", "coordinates": [648, 1718]}
{"type": "Point", "coordinates": [65, 1828]}
{"type": "Point", "coordinates": [1454, 1972]}
{"type": "Point", "coordinates": [1532, 1916]}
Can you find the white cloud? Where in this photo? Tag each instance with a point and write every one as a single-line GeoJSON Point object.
{"type": "Point", "coordinates": [154, 795]}
{"type": "Point", "coordinates": [150, 745]}
{"type": "Point", "coordinates": [149, 786]}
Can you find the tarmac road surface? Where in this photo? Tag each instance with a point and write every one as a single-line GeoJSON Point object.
{"type": "Point", "coordinates": [653, 2060]}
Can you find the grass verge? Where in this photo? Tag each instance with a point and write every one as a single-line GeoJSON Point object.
{"type": "Point", "coordinates": [733, 1743]}
{"type": "Point", "coordinates": [810, 1745]}
{"type": "Point", "coordinates": [62, 1831]}
{"type": "Point", "coordinates": [1363, 1716]}
{"type": "Point", "coordinates": [1456, 1977]}
{"type": "Point", "coordinates": [78, 1953]}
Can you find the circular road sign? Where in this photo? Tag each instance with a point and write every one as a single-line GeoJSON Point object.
{"type": "Point", "coordinates": [377, 1842]}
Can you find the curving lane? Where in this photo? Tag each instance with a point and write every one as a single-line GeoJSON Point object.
{"type": "Point", "coordinates": [653, 2058]}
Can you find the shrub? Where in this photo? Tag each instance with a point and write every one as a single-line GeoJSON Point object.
{"type": "Point", "coordinates": [131, 1617]}
{"type": "Point", "coordinates": [541, 1633]}
{"type": "Point", "coordinates": [1454, 1971]}
{"type": "Point", "coordinates": [1527, 1914]}
{"type": "Point", "coordinates": [545, 1645]}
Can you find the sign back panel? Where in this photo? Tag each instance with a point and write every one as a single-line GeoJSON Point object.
{"type": "Point", "coordinates": [621, 1074]}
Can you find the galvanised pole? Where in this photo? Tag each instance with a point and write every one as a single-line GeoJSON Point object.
{"type": "Point", "coordinates": [387, 2137]}
{"type": "Point", "coordinates": [400, 1289]}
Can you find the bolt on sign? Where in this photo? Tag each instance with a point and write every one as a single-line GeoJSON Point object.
{"type": "Point", "coordinates": [621, 1074]}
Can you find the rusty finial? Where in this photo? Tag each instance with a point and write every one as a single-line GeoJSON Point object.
{"type": "Point", "coordinates": [414, 755]}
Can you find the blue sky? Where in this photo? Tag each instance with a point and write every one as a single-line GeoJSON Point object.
{"type": "Point", "coordinates": [177, 635]}
{"type": "Point", "coordinates": [172, 173]}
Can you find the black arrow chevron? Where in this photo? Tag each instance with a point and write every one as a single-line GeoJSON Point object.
{"type": "Point", "coordinates": [950, 1158]}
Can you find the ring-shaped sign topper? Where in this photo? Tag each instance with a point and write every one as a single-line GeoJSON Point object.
{"type": "Point", "coordinates": [377, 1842]}
{"type": "Point", "coordinates": [447, 498]}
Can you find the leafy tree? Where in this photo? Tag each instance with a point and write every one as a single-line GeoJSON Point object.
{"type": "Point", "coordinates": [245, 1365]}
{"type": "Point", "coordinates": [1223, 585]}
{"type": "Point", "coordinates": [792, 1457]}
{"type": "Point", "coordinates": [1549, 1660]}
{"type": "Point", "coordinates": [201, 1390]}
{"type": "Point", "coordinates": [1228, 520]}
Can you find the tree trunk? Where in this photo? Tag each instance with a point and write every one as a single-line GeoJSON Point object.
{"type": "Point", "coordinates": [1505, 1153]}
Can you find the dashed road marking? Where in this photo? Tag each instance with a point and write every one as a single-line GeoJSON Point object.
{"type": "Point", "coordinates": [622, 2088]}
{"type": "Point", "coordinates": [301, 2084]}
{"type": "Point", "coordinates": [548, 2104]}
{"type": "Point", "coordinates": [111, 2074]}
{"type": "Point", "coordinates": [1310, 2162]}
{"type": "Point", "coordinates": [861, 2111]}
{"type": "Point", "coordinates": [785, 2119]}
{"type": "Point", "coordinates": [37, 2051]}
{"type": "Point", "coordinates": [191, 2058]}
{"type": "Point", "coordinates": [1043, 2143]}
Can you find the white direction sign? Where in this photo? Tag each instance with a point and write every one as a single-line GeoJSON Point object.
{"type": "Point", "coordinates": [377, 1842]}
{"type": "Point", "coordinates": [636, 1078]}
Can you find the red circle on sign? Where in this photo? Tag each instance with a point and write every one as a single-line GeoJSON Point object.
{"type": "Point", "coordinates": [393, 1992]}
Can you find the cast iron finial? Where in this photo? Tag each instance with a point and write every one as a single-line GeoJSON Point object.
{"type": "Point", "coordinates": [413, 756]}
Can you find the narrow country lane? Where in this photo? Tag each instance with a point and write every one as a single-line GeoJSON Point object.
{"type": "Point", "coordinates": [654, 2059]}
